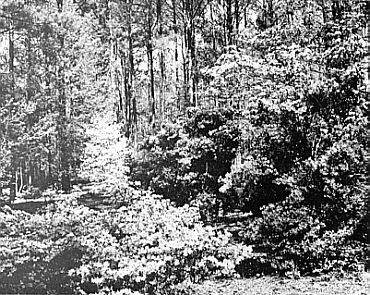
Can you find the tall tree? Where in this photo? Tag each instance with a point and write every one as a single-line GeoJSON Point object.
{"type": "Point", "coordinates": [150, 23]}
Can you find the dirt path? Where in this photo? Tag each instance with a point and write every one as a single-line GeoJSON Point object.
{"type": "Point", "coordinates": [276, 286]}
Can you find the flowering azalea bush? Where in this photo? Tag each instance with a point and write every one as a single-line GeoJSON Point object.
{"type": "Point", "coordinates": [37, 250]}
{"type": "Point", "coordinates": [146, 246]}
{"type": "Point", "coordinates": [151, 246]}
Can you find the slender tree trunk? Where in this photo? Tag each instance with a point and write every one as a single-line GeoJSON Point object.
{"type": "Point", "coordinates": [151, 84]}
{"type": "Point", "coordinates": [11, 52]}
{"type": "Point", "coordinates": [60, 5]}
{"type": "Point", "coordinates": [213, 30]}
{"type": "Point", "coordinates": [175, 29]}
{"type": "Point", "coordinates": [49, 175]}
{"type": "Point", "coordinates": [224, 25]}
{"type": "Point", "coordinates": [63, 158]}
{"type": "Point", "coordinates": [131, 97]}
{"type": "Point", "coordinates": [114, 84]}
{"type": "Point", "coordinates": [237, 18]}
{"type": "Point", "coordinates": [62, 125]}
{"type": "Point", "coordinates": [13, 181]}
{"type": "Point", "coordinates": [21, 178]}
{"type": "Point", "coordinates": [193, 66]}
{"type": "Point", "coordinates": [28, 96]}
{"type": "Point", "coordinates": [149, 47]}
{"type": "Point", "coordinates": [190, 58]}
{"type": "Point", "coordinates": [13, 187]}
{"type": "Point", "coordinates": [229, 22]}
{"type": "Point", "coordinates": [324, 16]}
{"type": "Point", "coordinates": [128, 117]}
{"type": "Point", "coordinates": [162, 86]}
{"type": "Point", "coordinates": [366, 63]}
{"type": "Point", "coordinates": [161, 63]}
{"type": "Point", "coordinates": [120, 79]}
{"type": "Point", "coordinates": [185, 51]}
{"type": "Point", "coordinates": [30, 174]}
{"type": "Point", "coordinates": [16, 182]}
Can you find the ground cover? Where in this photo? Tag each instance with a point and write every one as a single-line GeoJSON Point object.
{"type": "Point", "coordinates": [285, 286]}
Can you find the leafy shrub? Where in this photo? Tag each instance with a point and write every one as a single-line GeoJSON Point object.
{"type": "Point", "coordinates": [36, 252]}
{"type": "Point", "coordinates": [146, 246]}
{"type": "Point", "coordinates": [309, 208]}
{"type": "Point", "coordinates": [295, 240]}
{"type": "Point", "coordinates": [152, 246]}
{"type": "Point", "coordinates": [181, 163]}
{"type": "Point", "coordinates": [303, 154]}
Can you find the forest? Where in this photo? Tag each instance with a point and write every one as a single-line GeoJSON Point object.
{"type": "Point", "coordinates": [184, 147]}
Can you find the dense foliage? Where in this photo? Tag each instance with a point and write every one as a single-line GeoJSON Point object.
{"type": "Point", "coordinates": [43, 107]}
{"type": "Point", "coordinates": [186, 163]}
{"type": "Point", "coordinates": [312, 154]}
{"type": "Point", "coordinates": [297, 150]}
{"type": "Point", "coordinates": [147, 245]}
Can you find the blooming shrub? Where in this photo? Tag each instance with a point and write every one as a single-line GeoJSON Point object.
{"type": "Point", "coordinates": [147, 246]}
{"type": "Point", "coordinates": [151, 247]}
{"type": "Point", "coordinates": [36, 251]}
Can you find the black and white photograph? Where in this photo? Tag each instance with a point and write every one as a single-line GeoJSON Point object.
{"type": "Point", "coordinates": [184, 147]}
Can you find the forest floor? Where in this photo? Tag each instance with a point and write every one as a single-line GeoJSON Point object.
{"type": "Point", "coordinates": [285, 286]}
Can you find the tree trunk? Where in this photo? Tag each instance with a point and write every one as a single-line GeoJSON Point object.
{"type": "Point", "coordinates": [161, 63]}
{"type": "Point", "coordinates": [213, 30]}
{"type": "Point", "coordinates": [149, 47]}
{"type": "Point", "coordinates": [64, 158]}
{"type": "Point", "coordinates": [190, 72]}
{"type": "Point", "coordinates": [16, 182]}
{"type": "Point", "coordinates": [229, 22]}
{"type": "Point", "coordinates": [13, 188]}
{"type": "Point", "coordinates": [11, 52]}
{"type": "Point", "coordinates": [193, 66]}
{"type": "Point", "coordinates": [21, 178]}
{"type": "Point", "coordinates": [30, 174]}
{"type": "Point", "coordinates": [127, 92]}
{"type": "Point", "coordinates": [186, 55]}
{"type": "Point", "coordinates": [237, 18]}
{"type": "Point", "coordinates": [151, 84]}
{"type": "Point", "coordinates": [131, 97]}
{"type": "Point", "coordinates": [60, 5]}
{"type": "Point", "coordinates": [324, 16]}
{"type": "Point", "coordinates": [14, 177]}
